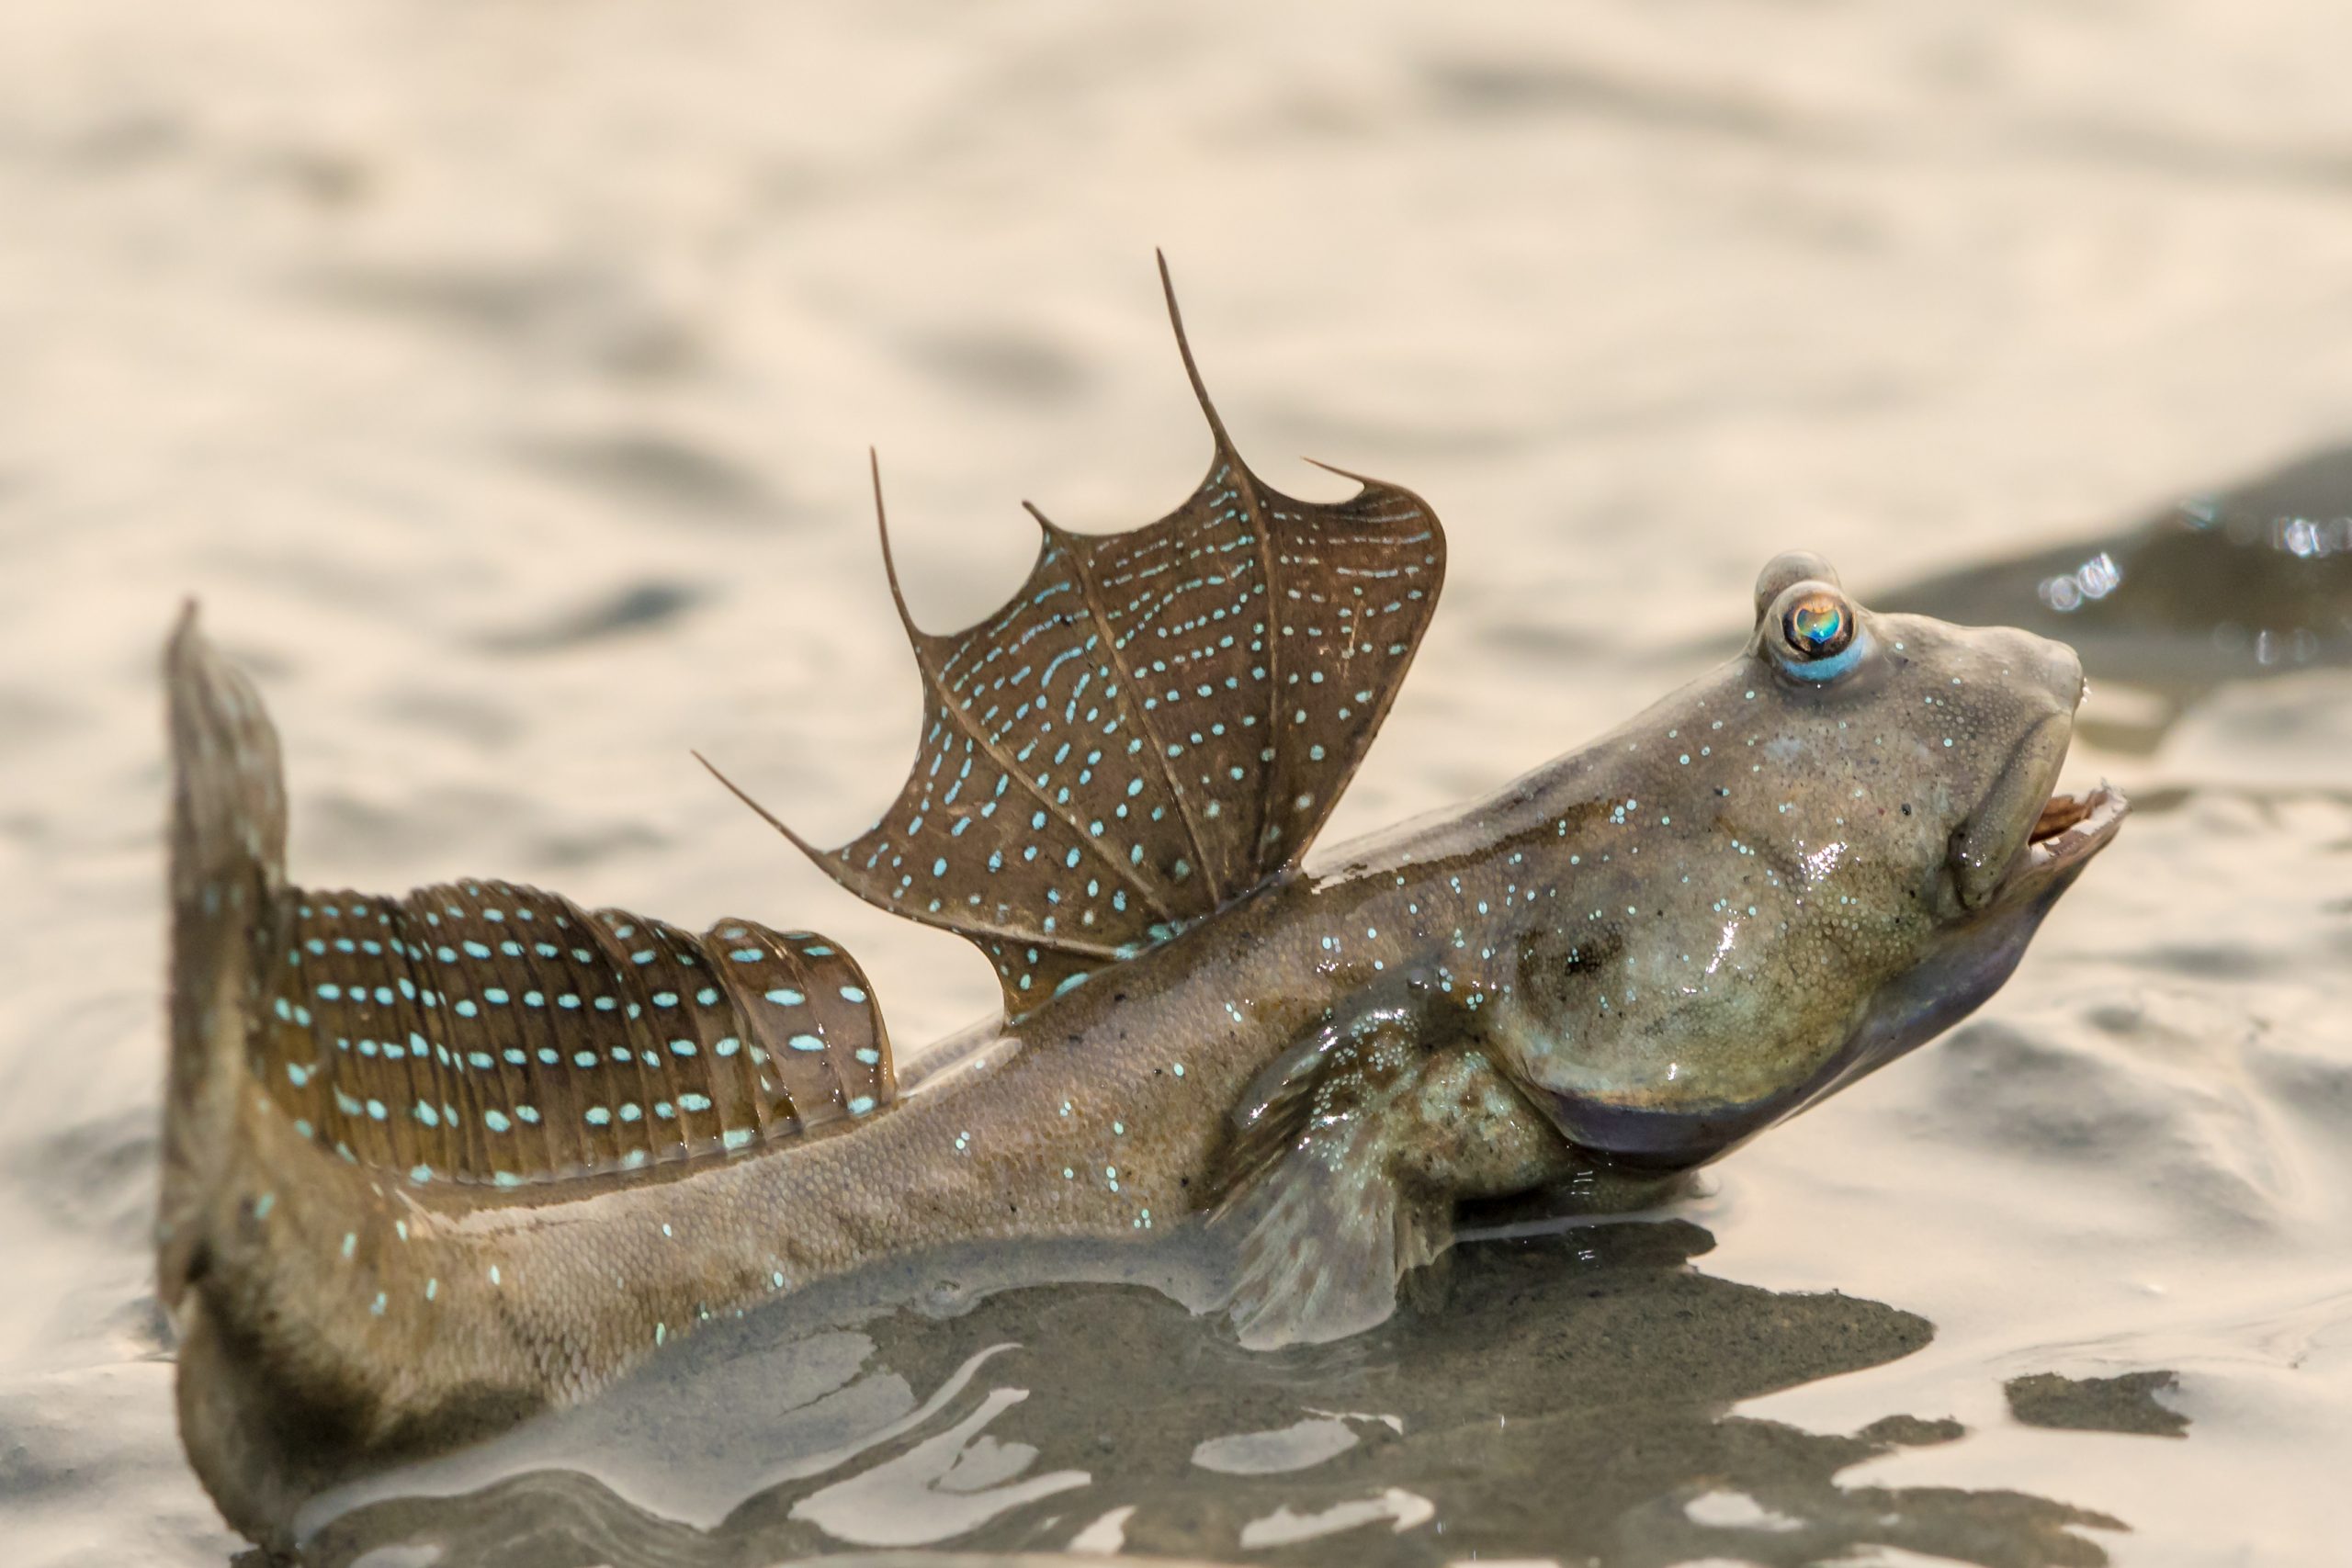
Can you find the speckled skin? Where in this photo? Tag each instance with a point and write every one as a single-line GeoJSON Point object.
{"type": "Point", "coordinates": [1645, 951]}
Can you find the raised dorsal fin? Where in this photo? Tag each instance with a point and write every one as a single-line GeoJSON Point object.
{"type": "Point", "coordinates": [1155, 723]}
{"type": "Point", "coordinates": [480, 1032]}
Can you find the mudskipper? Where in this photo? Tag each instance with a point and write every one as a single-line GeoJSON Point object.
{"type": "Point", "coordinates": [433, 1162]}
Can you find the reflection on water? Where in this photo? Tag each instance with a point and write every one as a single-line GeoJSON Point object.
{"type": "Point", "coordinates": [1572, 1388]}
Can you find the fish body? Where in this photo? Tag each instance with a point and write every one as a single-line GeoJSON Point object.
{"type": "Point", "coordinates": [438, 1162]}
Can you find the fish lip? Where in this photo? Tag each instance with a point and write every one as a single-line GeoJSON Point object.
{"type": "Point", "coordinates": [2071, 830]}
{"type": "Point", "coordinates": [2029, 774]}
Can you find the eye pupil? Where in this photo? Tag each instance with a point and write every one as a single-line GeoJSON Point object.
{"type": "Point", "coordinates": [1818, 626]}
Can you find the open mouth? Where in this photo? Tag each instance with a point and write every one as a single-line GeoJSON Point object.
{"type": "Point", "coordinates": [2070, 830]}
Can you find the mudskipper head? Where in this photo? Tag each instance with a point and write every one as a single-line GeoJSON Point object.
{"type": "Point", "coordinates": [1804, 865]}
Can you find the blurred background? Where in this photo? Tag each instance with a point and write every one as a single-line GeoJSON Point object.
{"type": "Point", "coordinates": [500, 378]}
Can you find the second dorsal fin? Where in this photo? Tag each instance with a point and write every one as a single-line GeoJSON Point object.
{"type": "Point", "coordinates": [487, 1032]}
{"type": "Point", "coordinates": [478, 1032]}
{"type": "Point", "coordinates": [1155, 723]}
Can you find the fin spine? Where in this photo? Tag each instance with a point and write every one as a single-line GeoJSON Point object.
{"type": "Point", "coordinates": [827, 859]}
{"type": "Point", "coordinates": [926, 661]}
{"type": "Point", "coordinates": [1245, 483]}
{"type": "Point", "coordinates": [1273, 631]}
{"type": "Point", "coordinates": [1081, 568]}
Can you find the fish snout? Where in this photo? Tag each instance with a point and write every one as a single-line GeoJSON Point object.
{"type": "Point", "coordinates": [2042, 673]}
{"type": "Point", "coordinates": [2063, 669]}
{"type": "Point", "coordinates": [2055, 668]}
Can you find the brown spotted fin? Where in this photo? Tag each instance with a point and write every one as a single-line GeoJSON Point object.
{"type": "Point", "coordinates": [476, 1032]}
{"type": "Point", "coordinates": [1319, 1191]}
{"type": "Point", "coordinates": [1156, 722]}
{"type": "Point", "coordinates": [484, 1031]}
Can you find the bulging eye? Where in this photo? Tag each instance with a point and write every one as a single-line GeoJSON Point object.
{"type": "Point", "coordinates": [1818, 626]}
{"type": "Point", "coordinates": [1813, 632]}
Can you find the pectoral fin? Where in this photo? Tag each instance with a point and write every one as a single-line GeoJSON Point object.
{"type": "Point", "coordinates": [1346, 1166]}
{"type": "Point", "coordinates": [1328, 1224]}
{"type": "Point", "coordinates": [1327, 1245]}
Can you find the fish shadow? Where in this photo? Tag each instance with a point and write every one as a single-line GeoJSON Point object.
{"type": "Point", "coordinates": [1566, 1394]}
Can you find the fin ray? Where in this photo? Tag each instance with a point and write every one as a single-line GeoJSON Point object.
{"type": "Point", "coordinates": [476, 1031]}
{"type": "Point", "coordinates": [1250, 642]}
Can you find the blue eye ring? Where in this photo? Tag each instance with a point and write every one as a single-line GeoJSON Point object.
{"type": "Point", "coordinates": [1824, 670]}
{"type": "Point", "coordinates": [1818, 631]}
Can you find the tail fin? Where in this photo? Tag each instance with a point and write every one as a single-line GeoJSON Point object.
{"type": "Point", "coordinates": [228, 894]}
{"type": "Point", "coordinates": [334, 1052]}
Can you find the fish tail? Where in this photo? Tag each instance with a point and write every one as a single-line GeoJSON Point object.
{"type": "Point", "coordinates": [227, 892]}
{"type": "Point", "coordinates": [362, 1086]}
{"type": "Point", "coordinates": [228, 896]}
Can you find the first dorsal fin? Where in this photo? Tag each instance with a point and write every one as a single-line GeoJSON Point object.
{"type": "Point", "coordinates": [1155, 723]}
{"type": "Point", "coordinates": [478, 1032]}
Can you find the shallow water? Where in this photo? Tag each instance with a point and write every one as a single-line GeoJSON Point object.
{"type": "Point", "coordinates": [500, 378]}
